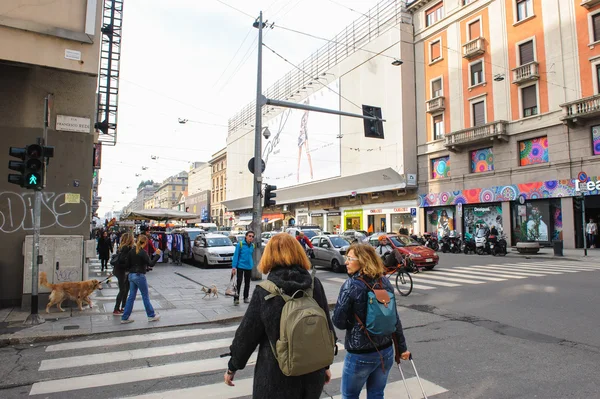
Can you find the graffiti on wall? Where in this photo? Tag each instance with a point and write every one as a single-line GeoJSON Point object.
{"type": "Point", "coordinates": [16, 211]}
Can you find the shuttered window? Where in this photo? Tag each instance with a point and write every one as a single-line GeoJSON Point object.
{"type": "Point", "coordinates": [474, 30]}
{"type": "Point", "coordinates": [434, 14]}
{"type": "Point", "coordinates": [436, 88]}
{"type": "Point", "coordinates": [526, 52]}
{"type": "Point", "coordinates": [529, 100]}
{"type": "Point", "coordinates": [478, 113]}
{"type": "Point", "coordinates": [477, 73]}
{"type": "Point", "coordinates": [436, 50]}
{"type": "Point", "coordinates": [596, 27]}
{"type": "Point", "coordinates": [438, 127]}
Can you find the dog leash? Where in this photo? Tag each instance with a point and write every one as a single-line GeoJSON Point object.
{"type": "Point", "coordinates": [107, 278]}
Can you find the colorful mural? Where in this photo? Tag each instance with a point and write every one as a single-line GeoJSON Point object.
{"type": "Point", "coordinates": [533, 151]}
{"type": "Point", "coordinates": [546, 189]}
{"type": "Point", "coordinates": [482, 160]}
{"type": "Point", "coordinates": [440, 167]}
{"type": "Point", "coordinates": [557, 233]}
{"type": "Point", "coordinates": [440, 221]}
{"type": "Point", "coordinates": [596, 139]}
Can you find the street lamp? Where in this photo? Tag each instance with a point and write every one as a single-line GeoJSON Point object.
{"type": "Point", "coordinates": [397, 62]}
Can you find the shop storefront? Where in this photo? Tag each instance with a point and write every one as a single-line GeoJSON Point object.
{"type": "Point", "coordinates": [272, 221]}
{"type": "Point", "coordinates": [404, 220]}
{"type": "Point", "coordinates": [485, 215]}
{"type": "Point", "coordinates": [301, 216]}
{"type": "Point", "coordinates": [536, 220]}
{"type": "Point", "coordinates": [391, 217]}
{"type": "Point", "coordinates": [353, 219]}
{"type": "Point", "coordinates": [440, 220]}
{"type": "Point", "coordinates": [318, 218]}
{"type": "Point", "coordinates": [334, 222]}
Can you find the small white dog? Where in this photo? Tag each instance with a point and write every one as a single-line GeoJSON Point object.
{"type": "Point", "coordinates": [212, 290]}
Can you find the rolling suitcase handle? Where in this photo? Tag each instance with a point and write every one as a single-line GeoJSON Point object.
{"type": "Point", "coordinates": [416, 374]}
{"type": "Point", "coordinates": [404, 381]}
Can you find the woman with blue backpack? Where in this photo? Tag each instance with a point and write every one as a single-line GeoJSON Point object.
{"type": "Point", "coordinates": [366, 309]}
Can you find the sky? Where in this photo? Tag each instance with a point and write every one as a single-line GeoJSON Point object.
{"type": "Point", "coordinates": [196, 59]}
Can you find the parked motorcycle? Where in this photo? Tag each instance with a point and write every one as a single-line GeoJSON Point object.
{"type": "Point", "coordinates": [455, 242]}
{"type": "Point", "coordinates": [418, 239]}
{"type": "Point", "coordinates": [482, 245]}
{"type": "Point", "coordinates": [497, 245]}
{"type": "Point", "coordinates": [431, 241]}
{"type": "Point", "coordinates": [445, 244]}
{"type": "Point", "coordinates": [468, 245]}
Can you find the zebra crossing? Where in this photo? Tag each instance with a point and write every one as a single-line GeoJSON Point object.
{"type": "Point", "coordinates": [492, 273]}
{"type": "Point", "coordinates": [180, 363]}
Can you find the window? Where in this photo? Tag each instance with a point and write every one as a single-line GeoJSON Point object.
{"type": "Point", "coordinates": [533, 151]}
{"type": "Point", "coordinates": [436, 88]}
{"type": "Point", "coordinates": [529, 101]}
{"type": "Point", "coordinates": [475, 29]}
{"type": "Point", "coordinates": [526, 53]}
{"type": "Point", "coordinates": [435, 50]}
{"type": "Point", "coordinates": [477, 73]}
{"type": "Point", "coordinates": [596, 139]}
{"type": "Point", "coordinates": [478, 110]}
{"type": "Point", "coordinates": [597, 78]}
{"type": "Point", "coordinates": [524, 9]}
{"type": "Point", "coordinates": [438, 126]}
{"type": "Point", "coordinates": [596, 27]}
{"type": "Point", "coordinates": [440, 167]}
{"type": "Point", "coordinates": [482, 160]}
{"type": "Point", "coordinates": [434, 14]}
{"type": "Point", "coordinates": [465, 2]}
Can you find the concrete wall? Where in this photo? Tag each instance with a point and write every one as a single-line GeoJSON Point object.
{"type": "Point", "coordinates": [21, 117]}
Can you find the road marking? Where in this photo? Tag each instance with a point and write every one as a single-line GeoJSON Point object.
{"type": "Point", "coordinates": [441, 283]}
{"type": "Point", "coordinates": [135, 354]}
{"type": "Point", "coordinates": [432, 276]}
{"type": "Point", "coordinates": [504, 270]}
{"type": "Point", "coordinates": [563, 267]}
{"type": "Point", "coordinates": [448, 272]}
{"type": "Point", "coordinates": [134, 339]}
{"type": "Point", "coordinates": [337, 279]}
{"type": "Point", "coordinates": [397, 389]}
{"type": "Point", "coordinates": [486, 273]}
{"type": "Point", "coordinates": [131, 375]}
{"type": "Point", "coordinates": [423, 287]}
{"type": "Point", "coordinates": [528, 269]}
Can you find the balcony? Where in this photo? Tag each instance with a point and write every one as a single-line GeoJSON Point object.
{"type": "Point", "coordinates": [577, 112]}
{"type": "Point", "coordinates": [436, 104]}
{"type": "Point", "coordinates": [526, 73]}
{"type": "Point", "coordinates": [455, 141]}
{"type": "Point", "coordinates": [589, 3]}
{"type": "Point", "coordinates": [473, 48]}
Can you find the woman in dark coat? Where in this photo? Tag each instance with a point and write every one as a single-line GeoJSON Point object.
{"type": "Point", "coordinates": [120, 272]}
{"type": "Point", "coordinates": [104, 249]}
{"type": "Point", "coordinates": [287, 265]}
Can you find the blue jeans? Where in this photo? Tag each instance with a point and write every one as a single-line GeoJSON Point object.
{"type": "Point", "coordinates": [366, 368]}
{"type": "Point", "coordinates": [137, 280]}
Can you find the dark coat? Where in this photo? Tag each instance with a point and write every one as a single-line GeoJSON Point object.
{"type": "Point", "coordinates": [121, 265]}
{"type": "Point", "coordinates": [353, 301]}
{"type": "Point", "coordinates": [140, 262]}
{"type": "Point", "coordinates": [104, 248]}
{"type": "Point", "coordinates": [261, 321]}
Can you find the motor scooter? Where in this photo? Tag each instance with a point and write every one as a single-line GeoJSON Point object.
{"type": "Point", "coordinates": [431, 241]}
{"type": "Point", "coordinates": [445, 244]}
{"type": "Point", "coordinates": [482, 245]}
{"type": "Point", "coordinates": [455, 242]}
{"type": "Point", "coordinates": [468, 245]}
{"type": "Point", "coordinates": [497, 245]}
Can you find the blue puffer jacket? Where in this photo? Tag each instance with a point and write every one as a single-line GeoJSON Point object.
{"type": "Point", "coordinates": [353, 300]}
{"type": "Point", "coordinates": [243, 256]}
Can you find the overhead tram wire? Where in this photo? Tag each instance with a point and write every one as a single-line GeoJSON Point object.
{"type": "Point", "coordinates": [233, 58]}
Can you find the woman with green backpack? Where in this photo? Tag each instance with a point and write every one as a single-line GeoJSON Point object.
{"type": "Point", "coordinates": [366, 309]}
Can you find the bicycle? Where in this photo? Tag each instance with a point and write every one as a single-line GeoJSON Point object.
{"type": "Point", "coordinates": [404, 282]}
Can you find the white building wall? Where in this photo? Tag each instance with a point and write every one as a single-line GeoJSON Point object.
{"type": "Point", "coordinates": [199, 179]}
{"type": "Point", "coordinates": [498, 43]}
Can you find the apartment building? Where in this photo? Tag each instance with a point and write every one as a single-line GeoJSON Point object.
{"type": "Point", "coordinates": [218, 165]}
{"type": "Point", "coordinates": [170, 190]}
{"type": "Point", "coordinates": [508, 115]}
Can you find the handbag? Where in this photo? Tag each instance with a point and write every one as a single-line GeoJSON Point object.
{"type": "Point", "coordinates": [231, 289]}
{"type": "Point", "coordinates": [114, 259]}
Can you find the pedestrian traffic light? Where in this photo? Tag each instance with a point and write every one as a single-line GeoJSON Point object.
{"type": "Point", "coordinates": [32, 165]}
{"type": "Point", "coordinates": [269, 193]}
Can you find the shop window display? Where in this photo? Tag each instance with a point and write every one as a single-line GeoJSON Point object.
{"type": "Point", "coordinates": [440, 220]}
{"type": "Point", "coordinates": [486, 215]}
{"type": "Point", "coordinates": [402, 221]}
{"type": "Point", "coordinates": [539, 221]}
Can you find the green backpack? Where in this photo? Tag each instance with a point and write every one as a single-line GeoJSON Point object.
{"type": "Point", "coordinates": [306, 343]}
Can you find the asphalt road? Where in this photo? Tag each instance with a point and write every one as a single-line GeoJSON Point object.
{"type": "Point", "coordinates": [475, 333]}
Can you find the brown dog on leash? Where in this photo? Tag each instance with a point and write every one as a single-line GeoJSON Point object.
{"type": "Point", "coordinates": [212, 290]}
{"type": "Point", "coordinates": [78, 291]}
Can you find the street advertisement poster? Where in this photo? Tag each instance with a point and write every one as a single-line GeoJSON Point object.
{"type": "Point", "coordinates": [484, 215]}
{"type": "Point", "coordinates": [304, 146]}
{"type": "Point", "coordinates": [98, 156]}
{"type": "Point", "coordinates": [440, 220]}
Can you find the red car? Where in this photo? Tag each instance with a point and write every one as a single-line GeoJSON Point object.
{"type": "Point", "coordinates": [422, 256]}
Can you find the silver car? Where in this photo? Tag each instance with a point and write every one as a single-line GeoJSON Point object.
{"type": "Point", "coordinates": [329, 251]}
{"type": "Point", "coordinates": [213, 250]}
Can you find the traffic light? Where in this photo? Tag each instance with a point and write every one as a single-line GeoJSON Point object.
{"type": "Point", "coordinates": [373, 128]}
{"type": "Point", "coordinates": [269, 193]}
{"type": "Point", "coordinates": [32, 166]}
{"type": "Point", "coordinates": [18, 166]}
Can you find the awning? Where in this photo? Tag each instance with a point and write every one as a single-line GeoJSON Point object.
{"type": "Point", "coordinates": [363, 183]}
{"type": "Point", "coordinates": [159, 214]}
{"type": "Point", "coordinates": [274, 220]}
{"type": "Point", "coordinates": [244, 223]}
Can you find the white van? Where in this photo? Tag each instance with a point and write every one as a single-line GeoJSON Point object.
{"type": "Point", "coordinates": [208, 227]}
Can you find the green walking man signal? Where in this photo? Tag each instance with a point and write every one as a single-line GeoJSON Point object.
{"type": "Point", "coordinates": [32, 166]}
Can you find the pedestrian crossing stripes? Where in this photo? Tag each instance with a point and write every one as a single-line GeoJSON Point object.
{"type": "Point", "coordinates": [490, 273]}
{"type": "Point", "coordinates": [107, 367]}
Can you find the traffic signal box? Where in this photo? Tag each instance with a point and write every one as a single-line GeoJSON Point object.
{"type": "Point", "coordinates": [32, 165]}
{"type": "Point", "coordinates": [269, 194]}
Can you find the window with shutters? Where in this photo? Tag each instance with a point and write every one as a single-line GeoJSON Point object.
{"type": "Point", "coordinates": [438, 126]}
{"type": "Point", "coordinates": [477, 73]}
{"type": "Point", "coordinates": [475, 29]}
{"type": "Point", "coordinates": [529, 101]}
{"type": "Point", "coordinates": [478, 112]}
{"type": "Point", "coordinates": [595, 28]}
{"type": "Point", "coordinates": [526, 53]}
{"type": "Point", "coordinates": [434, 14]}
{"type": "Point", "coordinates": [436, 88]}
{"type": "Point", "coordinates": [524, 9]}
{"type": "Point", "coordinates": [435, 51]}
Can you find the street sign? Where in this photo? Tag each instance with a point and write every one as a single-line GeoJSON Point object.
{"type": "Point", "coordinates": [413, 211]}
{"type": "Point", "coordinates": [522, 199]}
{"type": "Point", "coordinates": [582, 177]}
{"type": "Point", "coordinates": [251, 165]}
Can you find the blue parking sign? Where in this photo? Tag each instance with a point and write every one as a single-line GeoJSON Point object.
{"type": "Point", "coordinates": [413, 211]}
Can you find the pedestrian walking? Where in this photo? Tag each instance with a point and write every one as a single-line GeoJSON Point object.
{"type": "Point", "coordinates": [242, 265]}
{"type": "Point", "coordinates": [288, 268]}
{"type": "Point", "coordinates": [138, 263]}
{"type": "Point", "coordinates": [369, 336]}
{"type": "Point", "coordinates": [591, 231]}
{"type": "Point", "coordinates": [121, 273]}
{"type": "Point", "coordinates": [104, 250]}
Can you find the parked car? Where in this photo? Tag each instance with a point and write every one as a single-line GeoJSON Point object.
{"type": "Point", "coordinates": [310, 233]}
{"type": "Point", "coordinates": [237, 238]}
{"type": "Point", "coordinates": [355, 236]}
{"type": "Point", "coordinates": [222, 232]}
{"type": "Point", "coordinates": [213, 250]}
{"type": "Point", "coordinates": [421, 255]}
{"type": "Point", "coordinates": [329, 251]}
{"type": "Point", "coordinates": [191, 233]}
{"type": "Point", "coordinates": [267, 235]}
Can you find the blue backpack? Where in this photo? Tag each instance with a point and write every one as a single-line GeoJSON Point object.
{"type": "Point", "coordinates": [381, 310]}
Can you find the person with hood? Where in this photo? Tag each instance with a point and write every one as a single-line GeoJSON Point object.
{"type": "Point", "coordinates": [369, 357]}
{"type": "Point", "coordinates": [120, 272]}
{"type": "Point", "coordinates": [104, 250]}
{"type": "Point", "coordinates": [288, 268]}
{"type": "Point", "coordinates": [242, 265]}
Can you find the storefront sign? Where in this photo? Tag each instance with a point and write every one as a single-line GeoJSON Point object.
{"type": "Point", "coordinates": [334, 213]}
{"type": "Point", "coordinates": [246, 216]}
{"type": "Point", "coordinates": [411, 180]}
{"type": "Point", "coordinates": [587, 186]}
{"type": "Point", "coordinates": [354, 213]}
{"type": "Point", "coordinates": [478, 209]}
{"type": "Point", "coordinates": [319, 214]}
{"type": "Point", "coordinates": [376, 211]}
{"type": "Point", "coordinates": [302, 210]}
{"type": "Point", "coordinates": [402, 210]}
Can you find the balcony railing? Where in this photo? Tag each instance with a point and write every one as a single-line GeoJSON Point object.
{"type": "Point", "coordinates": [487, 132]}
{"type": "Point", "coordinates": [526, 73]}
{"type": "Point", "coordinates": [436, 104]}
{"type": "Point", "coordinates": [589, 3]}
{"type": "Point", "coordinates": [473, 48]}
{"type": "Point", "coordinates": [582, 109]}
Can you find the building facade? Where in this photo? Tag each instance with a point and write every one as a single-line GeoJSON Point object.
{"type": "Point", "coordinates": [507, 115]}
{"type": "Point", "coordinates": [218, 168]}
{"type": "Point", "coordinates": [47, 50]}
{"type": "Point", "coordinates": [199, 178]}
{"type": "Point", "coordinates": [199, 204]}
{"type": "Point", "coordinates": [170, 190]}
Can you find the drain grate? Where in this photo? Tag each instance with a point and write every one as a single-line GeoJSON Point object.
{"type": "Point", "coordinates": [71, 327]}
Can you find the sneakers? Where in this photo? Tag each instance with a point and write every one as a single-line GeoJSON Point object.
{"type": "Point", "coordinates": [127, 321]}
{"type": "Point", "coordinates": [117, 313]}
{"type": "Point", "coordinates": [155, 318]}
{"type": "Point", "coordinates": [246, 300]}
{"type": "Point", "coordinates": [236, 301]}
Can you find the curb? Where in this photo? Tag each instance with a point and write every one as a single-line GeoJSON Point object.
{"type": "Point", "coordinates": [536, 256]}
{"type": "Point", "coordinates": [7, 340]}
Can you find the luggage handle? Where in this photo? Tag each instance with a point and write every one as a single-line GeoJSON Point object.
{"type": "Point", "coordinates": [410, 358]}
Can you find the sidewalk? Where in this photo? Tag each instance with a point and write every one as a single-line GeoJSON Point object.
{"type": "Point", "coordinates": [175, 292]}
{"type": "Point", "coordinates": [568, 254]}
